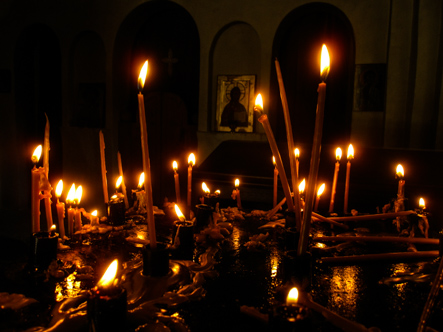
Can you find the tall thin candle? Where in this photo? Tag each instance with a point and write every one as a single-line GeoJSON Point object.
{"type": "Point", "coordinates": [35, 200]}
{"type": "Point", "coordinates": [103, 168]}
{"type": "Point", "coordinates": [237, 184]}
{"type": "Point", "coordinates": [176, 181]}
{"type": "Point", "coordinates": [315, 156]}
{"type": "Point", "coordinates": [274, 201]}
{"type": "Point", "coordinates": [348, 176]}
{"type": "Point", "coordinates": [60, 209]}
{"type": "Point", "coordinates": [338, 154]}
{"type": "Point", "coordinates": [120, 171]}
{"type": "Point", "coordinates": [191, 163]}
{"type": "Point", "coordinates": [47, 193]}
{"type": "Point", "coordinates": [146, 161]}
{"type": "Point", "coordinates": [400, 173]}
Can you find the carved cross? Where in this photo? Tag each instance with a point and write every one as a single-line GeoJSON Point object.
{"type": "Point", "coordinates": [170, 60]}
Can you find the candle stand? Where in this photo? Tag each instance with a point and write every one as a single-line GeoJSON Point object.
{"type": "Point", "coordinates": [203, 217]}
{"type": "Point", "coordinates": [107, 309]}
{"type": "Point", "coordinates": [43, 248]}
{"type": "Point", "coordinates": [183, 239]}
{"type": "Point", "coordinates": [116, 211]}
{"type": "Point", "coordinates": [156, 261]}
{"type": "Point", "coordinates": [290, 317]}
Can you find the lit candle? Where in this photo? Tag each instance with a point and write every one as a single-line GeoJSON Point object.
{"type": "Point", "coordinates": [94, 218]}
{"type": "Point", "coordinates": [291, 316]}
{"type": "Point", "coordinates": [120, 171]}
{"type": "Point", "coordinates": [176, 181]}
{"type": "Point", "coordinates": [116, 206]}
{"type": "Point", "coordinates": [191, 163]}
{"type": "Point", "coordinates": [48, 189]}
{"type": "Point", "coordinates": [401, 181]}
{"type": "Point", "coordinates": [315, 155]}
{"type": "Point", "coordinates": [146, 160]}
{"type": "Point", "coordinates": [60, 209]}
{"type": "Point", "coordinates": [140, 193]}
{"type": "Point", "coordinates": [319, 193]}
{"type": "Point", "coordinates": [297, 162]}
{"type": "Point", "coordinates": [36, 197]}
{"type": "Point", "coordinates": [263, 119]}
{"type": "Point", "coordinates": [71, 212]}
{"type": "Point", "coordinates": [301, 189]}
{"type": "Point", "coordinates": [103, 168]}
{"type": "Point", "coordinates": [237, 184]}
{"type": "Point", "coordinates": [290, 139]}
{"type": "Point", "coordinates": [274, 201]}
{"type": "Point", "coordinates": [423, 215]}
{"type": "Point", "coordinates": [348, 175]}
{"type": "Point", "coordinates": [338, 154]}
{"type": "Point", "coordinates": [78, 213]}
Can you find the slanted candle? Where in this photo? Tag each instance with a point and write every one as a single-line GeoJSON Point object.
{"type": "Point", "coordinates": [60, 209]}
{"type": "Point", "coordinates": [237, 184]}
{"type": "Point", "coordinates": [274, 201]}
{"type": "Point", "coordinates": [191, 163]}
{"type": "Point", "coordinates": [36, 197]}
{"type": "Point", "coordinates": [319, 193]}
{"type": "Point", "coordinates": [146, 160]}
{"type": "Point", "coordinates": [401, 181]}
{"type": "Point", "coordinates": [348, 175]}
{"type": "Point", "coordinates": [315, 155]}
{"type": "Point", "coordinates": [338, 154]}
{"type": "Point", "coordinates": [176, 181]}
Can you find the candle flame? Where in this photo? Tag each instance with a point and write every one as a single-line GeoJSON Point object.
{"type": "Point", "coordinates": [237, 183]}
{"type": "Point", "coordinates": [350, 152]}
{"type": "Point", "coordinates": [273, 160]}
{"type": "Point", "coordinates": [141, 180]}
{"type": "Point", "coordinates": [78, 194]}
{"type": "Point", "coordinates": [324, 64]}
{"type": "Point", "coordinates": [400, 171]}
{"type": "Point", "coordinates": [321, 190]}
{"type": "Point", "coordinates": [37, 154]}
{"type": "Point", "coordinates": [297, 153]}
{"type": "Point", "coordinates": [421, 203]}
{"type": "Point", "coordinates": [119, 182]}
{"type": "Point", "coordinates": [301, 186]}
{"type": "Point", "coordinates": [53, 227]}
{"type": "Point", "coordinates": [71, 194]}
{"type": "Point", "coordinates": [94, 213]}
{"type": "Point", "coordinates": [59, 188]}
{"type": "Point", "coordinates": [191, 160]}
{"type": "Point", "coordinates": [292, 297]}
{"type": "Point", "coordinates": [109, 275]}
{"type": "Point", "coordinates": [258, 103]}
{"type": "Point", "coordinates": [205, 188]}
{"type": "Point", "coordinates": [174, 166]}
{"type": "Point", "coordinates": [338, 154]}
{"type": "Point", "coordinates": [179, 213]}
{"type": "Point", "coordinates": [217, 192]}
{"type": "Point", "coordinates": [142, 76]}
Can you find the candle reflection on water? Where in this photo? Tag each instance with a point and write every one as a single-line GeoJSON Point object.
{"type": "Point", "coordinates": [346, 282]}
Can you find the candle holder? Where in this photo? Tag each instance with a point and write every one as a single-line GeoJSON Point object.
{"type": "Point", "coordinates": [116, 211]}
{"type": "Point", "coordinates": [43, 248]}
{"type": "Point", "coordinates": [156, 261]}
{"type": "Point", "coordinates": [290, 317]}
{"type": "Point", "coordinates": [211, 200]}
{"type": "Point", "coordinates": [297, 268]}
{"type": "Point", "coordinates": [290, 221]}
{"type": "Point", "coordinates": [183, 239]}
{"type": "Point", "coordinates": [203, 217]}
{"type": "Point", "coordinates": [107, 309]}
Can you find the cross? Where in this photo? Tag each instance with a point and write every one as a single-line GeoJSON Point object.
{"type": "Point", "coordinates": [170, 60]}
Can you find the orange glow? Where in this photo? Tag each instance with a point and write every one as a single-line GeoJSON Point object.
{"type": "Point", "coordinates": [53, 228]}
{"type": "Point", "coordinates": [324, 63]}
{"type": "Point", "coordinates": [174, 166]}
{"type": "Point", "coordinates": [142, 76]}
{"type": "Point", "coordinates": [78, 194]}
{"type": "Point", "coordinates": [297, 153]}
{"type": "Point", "coordinates": [350, 152]}
{"type": "Point", "coordinates": [400, 171]}
{"type": "Point", "coordinates": [179, 213]}
{"type": "Point", "coordinates": [191, 160]}
{"type": "Point", "coordinates": [321, 190]}
{"type": "Point", "coordinates": [205, 188]}
{"type": "Point", "coordinates": [237, 183]}
{"type": "Point", "coordinates": [37, 154]}
{"type": "Point", "coordinates": [292, 297]}
{"type": "Point", "coordinates": [301, 186]}
{"type": "Point", "coordinates": [109, 276]}
{"type": "Point", "coordinates": [258, 103]}
{"type": "Point", "coordinates": [59, 188]}
{"type": "Point", "coordinates": [421, 203]}
{"type": "Point", "coordinates": [118, 182]}
{"type": "Point", "coordinates": [338, 154]}
{"type": "Point", "coordinates": [273, 160]}
{"type": "Point", "coordinates": [94, 213]}
{"type": "Point", "coordinates": [141, 180]}
{"type": "Point", "coordinates": [217, 192]}
{"type": "Point", "coordinates": [71, 194]}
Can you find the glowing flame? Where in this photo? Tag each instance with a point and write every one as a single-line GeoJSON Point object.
{"type": "Point", "coordinates": [141, 180]}
{"type": "Point", "coordinates": [324, 64]}
{"type": "Point", "coordinates": [59, 188]}
{"type": "Point", "coordinates": [292, 297]}
{"type": "Point", "coordinates": [37, 154]}
{"type": "Point", "coordinates": [174, 166]}
{"type": "Point", "coordinates": [191, 160]}
{"type": "Point", "coordinates": [142, 76]}
{"type": "Point", "coordinates": [179, 213]}
{"type": "Point", "coordinates": [421, 203]}
{"type": "Point", "coordinates": [273, 160]}
{"type": "Point", "coordinates": [109, 276]}
{"type": "Point", "coordinates": [350, 152]}
{"type": "Point", "coordinates": [94, 213]}
{"type": "Point", "coordinates": [400, 171]}
{"type": "Point", "coordinates": [205, 188]}
{"type": "Point", "coordinates": [321, 190]}
{"type": "Point", "coordinates": [217, 192]}
{"type": "Point", "coordinates": [78, 194]}
{"type": "Point", "coordinates": [53, 228]}
{"type": "Point", "coordinates": [338, 154]}
{"type": "Point", "coordinates": [71, 194]}
{"type": "Point", "coordinates": [237, 183]}
{"type": "Point", "coordinates": [258, 103]}
{"type": "Point", "coordinates": [301, 186]}
{"type": "Point", "coordinates": [297, 153]}
{"type": "Point", "coordinates": [119, 182]}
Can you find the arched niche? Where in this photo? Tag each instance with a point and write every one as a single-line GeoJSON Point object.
{"type": "Point", "coordinates": [166, 35]}
{"type": "Point", "coordinates": [87, 77]}
{"type": "Point", "coordinates": [235, 53]}
{"type": "Point", "coordinates": [297, 46]}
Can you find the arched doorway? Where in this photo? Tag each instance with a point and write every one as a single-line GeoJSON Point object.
{"type": "Point", "coordinates": [297, 46]}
